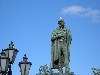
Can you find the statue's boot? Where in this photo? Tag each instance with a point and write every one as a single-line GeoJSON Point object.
{"type": "Point", "coordinates": [60, 71]}
{"type": "Point", "coordinates": [67, 73]}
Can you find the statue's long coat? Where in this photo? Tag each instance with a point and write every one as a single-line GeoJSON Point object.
{"type": "Point", "coordinates": [60, 43]}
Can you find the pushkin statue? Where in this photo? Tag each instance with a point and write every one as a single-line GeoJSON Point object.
{"type": "Point", "coordinates": [60, 48]}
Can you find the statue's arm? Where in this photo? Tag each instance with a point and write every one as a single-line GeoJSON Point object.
{"type": "Point", "coordinates": [69, 36]}
{"type": "Point", "coordinates": [70, 39]}
{"type": "Point", "coordinates": [53, 36]}
{"type": "Point", "coordinates": [52, 53]}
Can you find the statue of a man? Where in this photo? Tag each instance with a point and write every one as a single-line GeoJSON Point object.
{"type": "Point", "coordinates": [60, 43]}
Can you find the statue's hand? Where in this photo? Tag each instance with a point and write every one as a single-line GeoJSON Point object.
{"type": "Point", "coordinates": [53, 37]}
{"type": "Point", "coordinates": [59, 35]}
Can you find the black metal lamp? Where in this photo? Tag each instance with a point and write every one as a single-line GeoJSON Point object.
{"type": "Point", "coordinates": [4, 62]}
{"type": "Point", "coordinates": [11, 53]}
{"type": "Point", "coordinates": [24, 66]}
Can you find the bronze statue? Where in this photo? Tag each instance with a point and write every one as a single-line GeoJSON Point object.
{"type": "Point", "coordinates": [60, 44]}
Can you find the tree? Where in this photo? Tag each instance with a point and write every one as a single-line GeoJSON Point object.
{"type": "Point", "coordinates": [96, 71]}
{"type": "Point", "coordinates": [44, 70]}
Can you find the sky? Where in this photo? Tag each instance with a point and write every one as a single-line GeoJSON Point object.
{"type": "Point", "coordinates": [29, 24]}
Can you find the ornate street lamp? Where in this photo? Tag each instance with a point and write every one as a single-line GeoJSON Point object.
{"type": "Point", "coordinates": [4, 62]}
{"type": "Point", "coordinates": [24, 66]}
{"type": "Point", "coordinates": [11, 53]}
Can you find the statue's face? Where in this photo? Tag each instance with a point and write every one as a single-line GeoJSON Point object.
{"type": "Point", "coordinates": [61, 24]}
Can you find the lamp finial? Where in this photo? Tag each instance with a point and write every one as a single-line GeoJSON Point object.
{"type": "Point", "coordinates": [11, 45]}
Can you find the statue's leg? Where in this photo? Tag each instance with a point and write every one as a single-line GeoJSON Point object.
{"type": "Point", "coordinates": [66, 64]}
{"type": "Point", "coordinates": [67, 69]}
{"type": "Point", "coordinates": [60, 67]}
{"type": "Point", "coordinates": [60, 71]}
{"type": "Point", "coordinates": [60, 62]}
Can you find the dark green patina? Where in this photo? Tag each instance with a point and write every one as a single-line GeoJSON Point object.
{"type": "Point", "coordinates": [60, 48]}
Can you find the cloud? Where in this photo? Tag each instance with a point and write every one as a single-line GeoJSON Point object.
{"type": "Point", "coordinates": [94, 14]}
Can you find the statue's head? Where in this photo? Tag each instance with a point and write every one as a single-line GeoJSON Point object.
{"type": "Point", "coordinates": [61, 23]}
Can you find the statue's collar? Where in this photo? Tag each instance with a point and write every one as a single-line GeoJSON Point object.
{"type": "Point", "coordinates": [60, 28]}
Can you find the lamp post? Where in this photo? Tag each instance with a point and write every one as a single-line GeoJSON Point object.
{"type": "Point", "coordinates": [24, 66]}
{"type": "Point", "coordinates": [4, 62]}
{"type": "Point", "coordinates": [7, 58]}
{"type": "Point", "coordinates": [11, 53]}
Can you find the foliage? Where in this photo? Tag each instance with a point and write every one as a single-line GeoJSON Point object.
{"type": "Point", "coordinates": [44, 70]}
{"type": "Point", "coordinates": [96, 71]}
